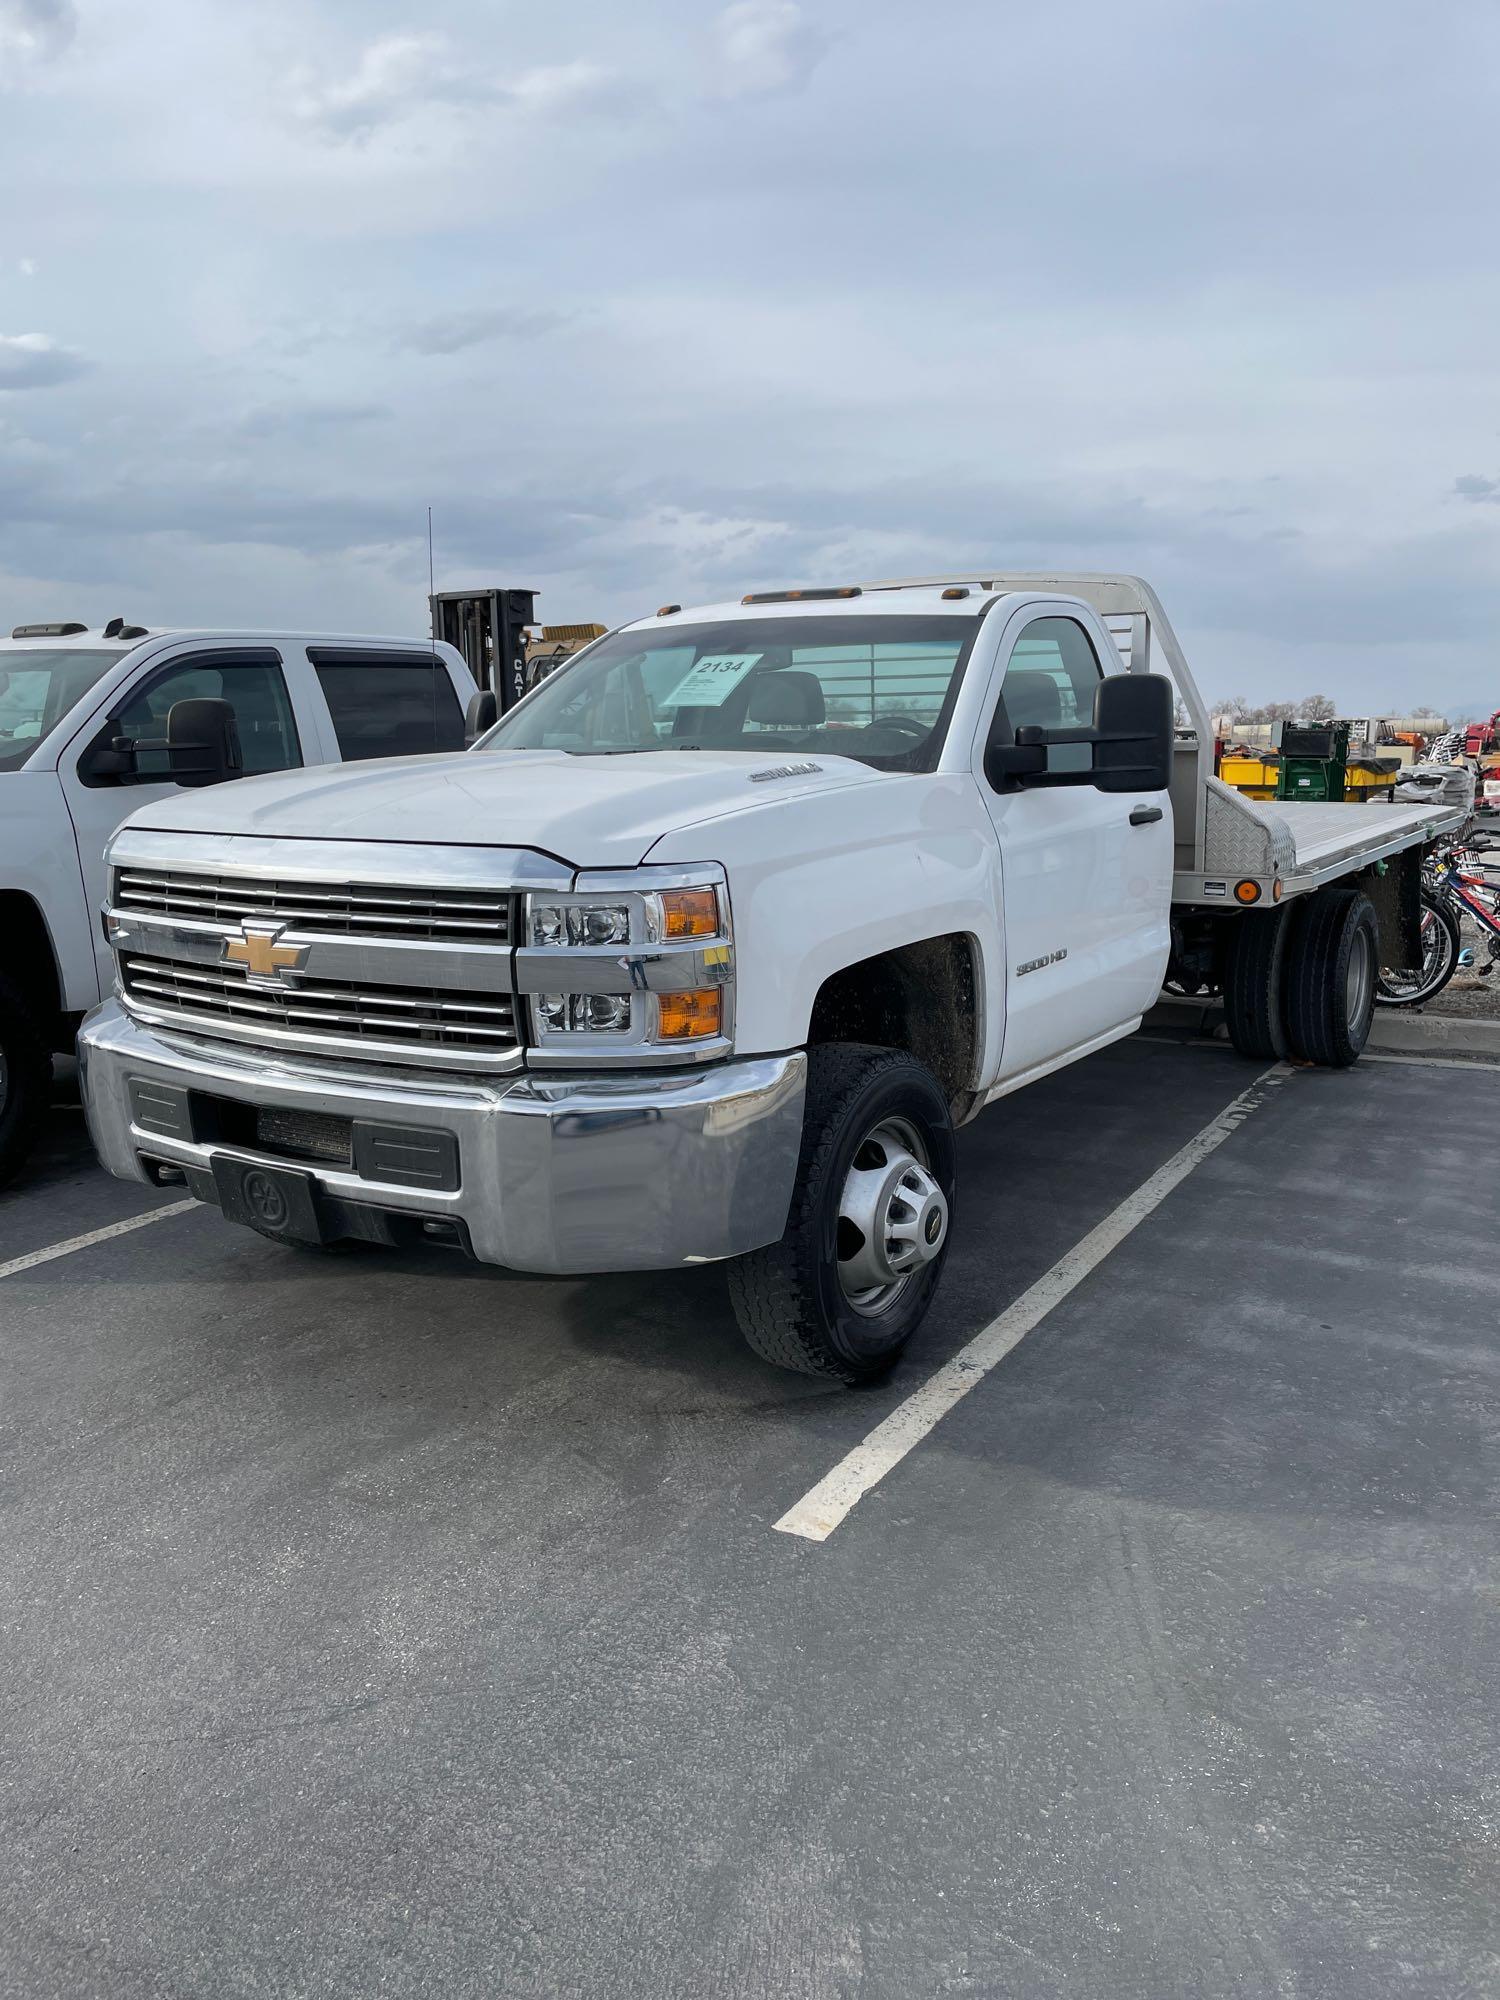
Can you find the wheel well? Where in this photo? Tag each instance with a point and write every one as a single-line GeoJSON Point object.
{"type": "Point", "coordinates": [920, 997]}
{"type": "Point", "coordinates": [29, 963]}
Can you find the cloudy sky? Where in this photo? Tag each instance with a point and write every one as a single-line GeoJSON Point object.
{"type": "Point", "coordinates": [676, 299]}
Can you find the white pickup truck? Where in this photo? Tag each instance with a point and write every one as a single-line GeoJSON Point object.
{"type": "Point", "coordinates": [705, 950]}
{"type": "Point", "coordinates": [92, 725]}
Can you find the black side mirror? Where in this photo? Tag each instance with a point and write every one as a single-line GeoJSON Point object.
{"type": "Point", "coordinates": [1133, 723]}
{"type": "Point", "coordinates": [203, 742]}
{"type": "Point", "coordinates": [1131, 739]}
{"type": "Point", "coordinates": [110, 758]}
{"type": "Point", "coordinates": [481, 714]}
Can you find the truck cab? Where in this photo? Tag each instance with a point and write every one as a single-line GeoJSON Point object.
{"type": "Point", "coordinates": [84, 728]}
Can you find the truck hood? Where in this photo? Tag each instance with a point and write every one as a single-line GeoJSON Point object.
{"type": "Point", "coordinates": [593, 812]}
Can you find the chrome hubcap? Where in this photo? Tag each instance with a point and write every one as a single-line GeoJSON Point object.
{"type": "Point", "coordinates": [1357, 980]}
{"type": "Point", "coordinates": [893, 1217]}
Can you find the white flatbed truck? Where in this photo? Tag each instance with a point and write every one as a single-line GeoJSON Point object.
{"type": "Point", "coordinates": [706, 948]}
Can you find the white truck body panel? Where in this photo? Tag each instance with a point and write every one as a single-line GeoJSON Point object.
{"type": "Point", "coordinates": [592, 812]}
{"type": "Point", "coordinates": [54, 828]}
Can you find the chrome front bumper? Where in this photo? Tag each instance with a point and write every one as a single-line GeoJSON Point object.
{"type": "Point", "coordinates": [558, 1174]}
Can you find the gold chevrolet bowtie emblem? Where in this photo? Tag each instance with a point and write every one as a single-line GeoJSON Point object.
{"type": "Point", "coordinates": [260, 954]}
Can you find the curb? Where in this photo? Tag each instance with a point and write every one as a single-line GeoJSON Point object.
{"type": "Point", "coordinates": [1393, 1027]}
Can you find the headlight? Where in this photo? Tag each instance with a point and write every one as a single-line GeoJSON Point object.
{"type": "Point", "coordinates": [641, 969]}
{"type": "Point", "coordinates": [580, 923]}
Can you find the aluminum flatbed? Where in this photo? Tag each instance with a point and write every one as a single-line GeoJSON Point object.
{"type": "Point", "coordinates": [1288, 849]}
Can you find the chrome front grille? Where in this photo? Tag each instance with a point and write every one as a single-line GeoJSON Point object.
{"type": "Point", "coordinates": [315, 1010]}
{"type": "Point", "coordinates": [332, 909]}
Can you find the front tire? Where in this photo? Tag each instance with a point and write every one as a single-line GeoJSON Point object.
{"type": "Point", "coordinates": [853, 1276]}
{"type": "Point", "coordinates": [25, 1082]}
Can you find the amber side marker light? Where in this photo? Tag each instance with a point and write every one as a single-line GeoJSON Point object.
{"type": "Point", "coordinates": [1276, 890]}
{"type": "Point", "coordinates": [690, 912]}
{"type": "Point", "coordinates": [1247, 892]}
{"type": "Point", "coordinates": [690, 1016]}
{"type": "Point", "coordinates": [801, 596]}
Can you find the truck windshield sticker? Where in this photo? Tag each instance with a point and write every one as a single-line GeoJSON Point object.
{"type": "Point", "coordinates": [712, 680]}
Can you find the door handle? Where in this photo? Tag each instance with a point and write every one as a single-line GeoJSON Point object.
{"type": "Point", "coordinates": [1144, 815]}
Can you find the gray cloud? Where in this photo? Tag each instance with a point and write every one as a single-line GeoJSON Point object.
{"type": "Point", "coordinates": [397, 77]}
{"type": "Point", "coordinates": [276, 420]}
{"type": "Point", "coordinates": [476, 326]}
{"type": "Point", "coordinates": [765, 46]}
{"type": "Point", "coordinates": [36, 361]}
{"type": "Point", "coordinates": [824, 319]}
{"type": "Point", "coordinates": [32, 29]}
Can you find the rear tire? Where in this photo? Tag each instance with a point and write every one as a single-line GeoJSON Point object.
{"type": "Point", "coordinates": [25, 1081]}
{"type": "Point", "coordinates": [1254, 984]}
{"type": "Point", "coordinates": [1332, 973]}
{"type": "Point", "coordinates": [835, 1297]}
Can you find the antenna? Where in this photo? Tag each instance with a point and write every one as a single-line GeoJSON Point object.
{"type": "Point", "coordinates": [432, 626]}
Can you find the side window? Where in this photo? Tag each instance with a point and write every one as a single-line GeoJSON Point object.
{"type": "Point", "coordinates": [388, 704]}
{"type": "Point", "coordinates": [255, 690]}
{"type": "Point", "coordinates": [1049, 684]}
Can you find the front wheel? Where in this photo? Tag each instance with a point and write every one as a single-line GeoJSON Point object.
{"type": "Point", "coordinates": [851, 1280]}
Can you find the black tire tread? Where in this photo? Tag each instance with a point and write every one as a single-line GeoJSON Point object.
{"type": "Point", "coordinates": [1314, 1016]}
{"type": "Point", "coordinates": [1254, 1007]}
{"type": "Point", "coordinates": [769, 1288]}
{"type": "Point", "coordinates": [30, 1095]}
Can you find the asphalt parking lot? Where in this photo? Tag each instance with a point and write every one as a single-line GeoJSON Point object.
{"type": "Point", "coordinates": [374, 1624]}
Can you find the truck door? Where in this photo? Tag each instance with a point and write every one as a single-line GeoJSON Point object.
{"type": "Point", "coordinates": [249, 678]}
{"type": "Point", "coordinates": [1086, 876]}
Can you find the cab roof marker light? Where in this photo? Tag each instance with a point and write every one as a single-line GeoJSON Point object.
{"type": "Point", "coordinates": [956, 590]}
{"type": "Point", "coordinates": [801, 596]}
{"type": "Point", "coordinates": [667, 610]}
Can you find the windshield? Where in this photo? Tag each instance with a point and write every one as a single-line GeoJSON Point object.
{"type": "Point", "coordinates": [37, 688]}
{"type": "Point", "coordinates": [876, 688]}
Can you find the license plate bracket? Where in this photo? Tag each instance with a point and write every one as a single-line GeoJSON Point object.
{"type": "Point", "coordinates": [278, 1201]}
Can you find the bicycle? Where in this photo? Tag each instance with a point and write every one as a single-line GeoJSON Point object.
{"type": "Point", "coordinates": [1455, 883]}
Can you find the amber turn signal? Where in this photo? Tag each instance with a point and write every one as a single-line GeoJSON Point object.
{"type": "Point", "coordinates": [1247, 891]}
{"type": "Point", "coordinates": [689, 913]}
{"type": "Point", "coordinates": [688, 1017]}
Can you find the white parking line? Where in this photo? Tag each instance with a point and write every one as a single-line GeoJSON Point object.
{"type": "Point", "coordinates": [35, 1257]}
{"type": "Point", "coordinates": [1430, 1062]}
{"type": "Point", "coordinates": [819, 1512]}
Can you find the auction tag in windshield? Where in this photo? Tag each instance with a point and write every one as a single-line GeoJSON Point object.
{"type": "Point", "coordinates": [711, 680]}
